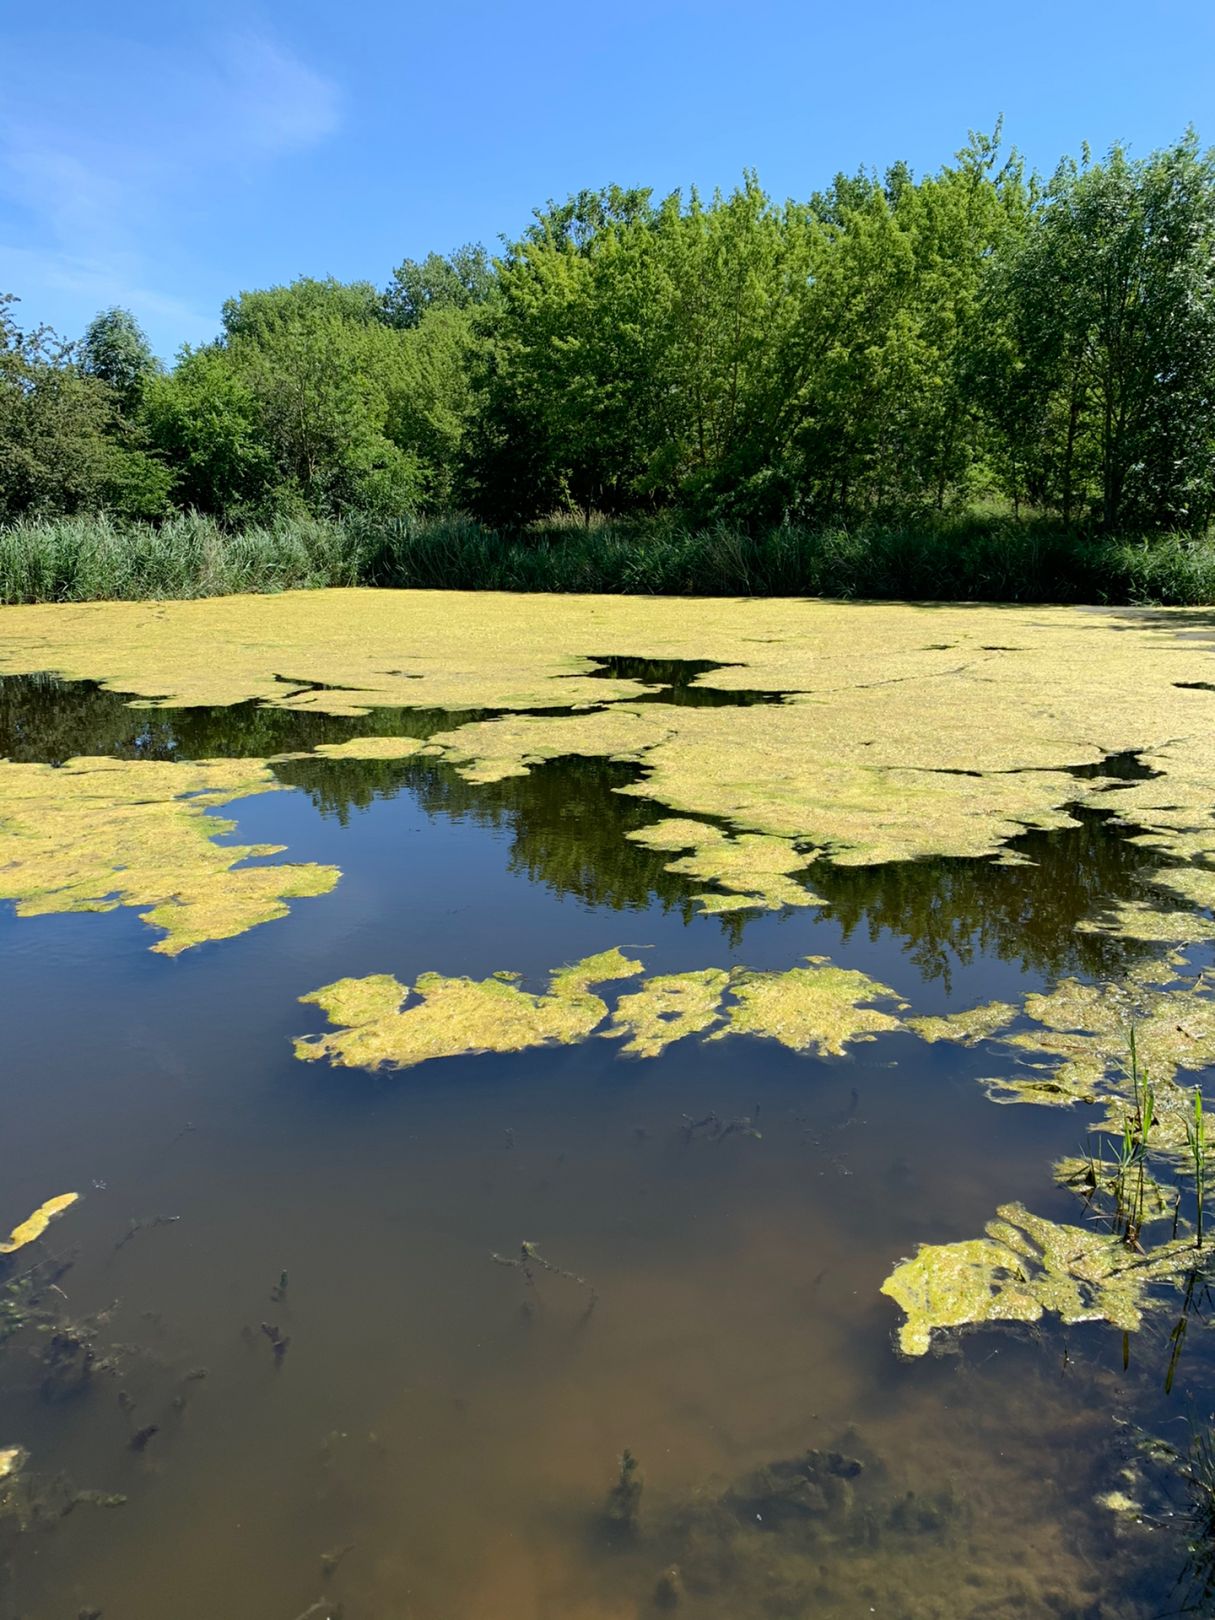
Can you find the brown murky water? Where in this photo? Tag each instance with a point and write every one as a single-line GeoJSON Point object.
{"type": "Point", "coordinates": [440, 1438]}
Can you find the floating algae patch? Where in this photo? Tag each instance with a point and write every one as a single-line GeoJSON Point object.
{"type": "Point", "coordinates": [820, 1007]}
{"type": "Point", "coordinates": [1024, 1268]}
{"type": "Point", "coordinates": [95, 834]}
{"type": "Point", "coordinates": [370, 748]}
{"type": "Point", "coordinates": [1151, 924]}
{"type": "Point", "coordinates": [667, 1008]}
{"type": "Point", "coordinates": [1085, 1032]}
{"type": "Point", "coordinates": [976, 1024]}
{"type": "Point", "coordinates": [753, 869]}
{"type": "Point", "coordinates": [32, 1228]}
{"type": "Point", "coordinates": [449, 1017]}
{"type": "Point", "coordinates": [1120, 1046]}
{"type": "Point", "coordinates": [904, 732]}
{"type": "Point", "coordinates": [490, 750]}
{"type": "Point", "coordinates": [336, 651]}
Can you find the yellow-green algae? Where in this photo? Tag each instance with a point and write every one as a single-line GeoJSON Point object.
{"type": "Point", "coordinates": [491, 750]}
{"type": "Point", "coordinates": [1084, 1032]}
{"type": "Point", "coordinates": [753, 869]}
{"type": "Point", "coordinates": [96, 833]}
{"type": "Point", "coordinates": [908, 731]}
{"type": "Point", "coordinates": [36, 1224]}
{"type": "Point", "coordinates": [1140, 920]}
{"type": "Point", "coordinates": [447, 1017]}
{"type": "Point", "coordinates": [668, 1007]}
{"type": "Point", "coordinates": [1023, 1268]}
{"type": "Point", "coordinates": [372, 748]}
{"type": "Point", "coordinates": [817, 1008]}
{"type": "Point", "coordinates": [975, 1024]}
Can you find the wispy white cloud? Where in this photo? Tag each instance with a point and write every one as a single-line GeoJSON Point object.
{"type": "Point", "coordinates": [280, 104]}
{"type": "Point", "coordinates": [90, 179]}
{"type": "Point", "coordinates": [98, 284]}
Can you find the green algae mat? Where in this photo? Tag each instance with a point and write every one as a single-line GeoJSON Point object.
{"type": "Point", "coordinates": [602, 1107]}
{"type": "Point", "coordinates": [902, 732]}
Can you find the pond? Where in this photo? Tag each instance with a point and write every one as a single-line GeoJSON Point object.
{"type": "Point", "coordinates": [589, 1109]}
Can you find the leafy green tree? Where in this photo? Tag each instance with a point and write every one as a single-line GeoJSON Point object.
{"type": "Point", "coordinates": [897, 308]}
{"type": "Point", "coordinates": [115, 349]}
{"type": "Point", "coordinates": [457, 280]}
{"type": "Point", "coordinates": [309, 400]}
{"type": "Point", "coordinates": [61, 445]}
{"type": "Point", "coordinates": [430, 406]}
{"type": "Point", "coordinates": [205, 421]}
{"type": "Point", "coordinates": [1111, 299]}
{"type": "Point", "coordinates": [254, 317]}
{"type": "Point", "coordinates": [324, 385]}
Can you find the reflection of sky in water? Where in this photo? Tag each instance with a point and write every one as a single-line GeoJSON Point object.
{"type": "Point", "coordinates": [457, 1431]}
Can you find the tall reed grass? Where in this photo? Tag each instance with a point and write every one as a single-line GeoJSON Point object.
{"type": "Point", "coordinates": [994, 559]}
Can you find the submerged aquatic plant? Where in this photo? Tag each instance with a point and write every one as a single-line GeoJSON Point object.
{"type": "Point", "coordinates": [624, 1498]}
{"type": "Point", "coordinates": [1198, 1155]}
{"type": "Point", "coordinates": [529, 1260]}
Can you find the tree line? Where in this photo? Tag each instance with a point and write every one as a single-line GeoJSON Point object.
{"type": "Point", "coordinates": [895, 345]}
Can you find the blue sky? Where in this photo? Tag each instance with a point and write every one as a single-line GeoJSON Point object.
{"type": "Point", "coordinates": [163, 156]}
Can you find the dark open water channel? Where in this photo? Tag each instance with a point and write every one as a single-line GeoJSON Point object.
{"type": "Point", "coordinates": [438, 1443]}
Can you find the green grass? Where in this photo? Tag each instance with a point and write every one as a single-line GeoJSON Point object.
{"type": "Point", "coordinates": [968, 558]}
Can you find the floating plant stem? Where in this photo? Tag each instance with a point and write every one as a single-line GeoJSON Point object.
{"type": "Point", "coordinates": [529, 1256]}
{"type": "Point", "coordinates": [1198, 1153]}
{"type": "Point", "coordinates": [279, 1341]}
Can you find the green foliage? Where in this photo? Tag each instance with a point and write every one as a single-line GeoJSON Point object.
{"type": "Point", "coordinates": [81, 559]}
{"type": "Point", "coordinates": [115, 350]}
{"type": "Point", "coordinates": [254, 317]}
{"type": "Point", "coordinates": [311, 403]}
{"type": "Point", "coordinates": [64, 445]}
{"type": "Point", "coordinates": [205, 421]}
{"type": "Point", "coordinates": [458, 280]}
{"type": "Point", "coordinates": [890, 354]}
{"type": "Point", "coordinates": [85, 558]}
{"type": "Point", "coordinates": [1111, 304]}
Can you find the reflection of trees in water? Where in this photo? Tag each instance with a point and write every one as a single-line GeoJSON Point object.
{"type": "Point", "coordinates": [956, 910]}
{"type": "Point", "coordinates": [46, 720]}
{"type": "Point", "coordinates": [568, 828]}
{"type": "Point", "coordinates": [569, 831]}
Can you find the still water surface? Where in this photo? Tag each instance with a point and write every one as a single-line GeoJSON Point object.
{"type": "Point", "coordinates": [439, 1440]}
